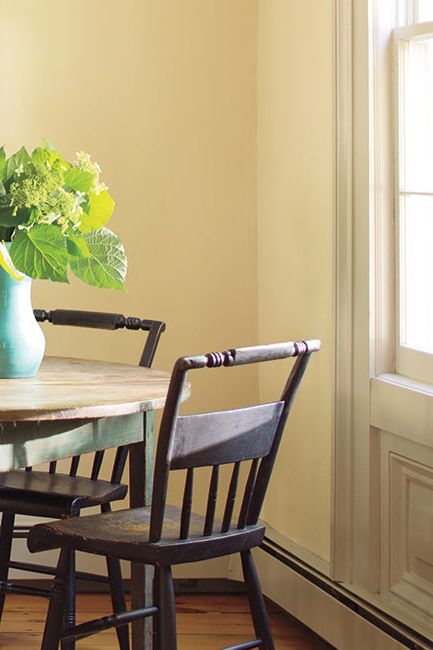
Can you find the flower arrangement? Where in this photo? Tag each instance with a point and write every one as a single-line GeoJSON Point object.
{"type": "Point", "coordinates": [53, 214]}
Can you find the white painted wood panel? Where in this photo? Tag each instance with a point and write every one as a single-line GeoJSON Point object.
{"type": "Point", "coordinates": [406, 498]}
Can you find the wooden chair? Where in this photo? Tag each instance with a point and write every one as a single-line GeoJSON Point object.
{"type": "Point", "coordinates": [163, 535]}
{"type": "Point", "coordinates": [53, 494]}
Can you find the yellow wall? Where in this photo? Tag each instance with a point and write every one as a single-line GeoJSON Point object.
{"type": "Point", "coordinates": [295, 254]}
{"type": "Point", "coordinates": [163, 95]}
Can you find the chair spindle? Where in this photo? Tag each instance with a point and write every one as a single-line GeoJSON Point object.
{"type": "Point", "coordinates": [187, 504]}
{"type": "Point", "coordinates": [97, 464]}
{"type": "Point", "coordinates": [211, 502]}
{"type": "Point", "coordinates": [74, 466]}
{"type": "Point", "coordinates": [231, 498]}
{"type": "Point", "coordinates": [119, 464]}
{"type": "Point", "coordinates": [248, 494]}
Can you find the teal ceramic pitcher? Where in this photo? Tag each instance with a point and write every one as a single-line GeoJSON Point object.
{"type": "Point", "coordinates": [22, 342]}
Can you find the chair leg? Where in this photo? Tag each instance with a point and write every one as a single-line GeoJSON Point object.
{"type": "Point", "coordinates": [166, 635]}
{"type": "Point", "coordinates": [256, 600]}
{"type": "Point", "coordinates": [117, 592]}
{"type": "Point", "coordinates": [54, 620]}
{"type": "Point", "coordinates": [6, 537]}
{"type": "Point", "coordinates": [118, 599]}
{"type": "Point", "coordinates": [70, 604]}
{"type": "Point", "coordinates": [155, 626]}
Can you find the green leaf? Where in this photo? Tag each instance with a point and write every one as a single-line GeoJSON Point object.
{"type": "Point", "coordinates": [41, 252]}
{"type": "Point", "coordinates": [9, 219]}
{"type": "Point", "coordinates": [48, 154]}
{"type": "Point", "coordinates": [19, 158]}
{"type": "Point", "coordinates": [7, 264]}
{"type": "Point", "coordinates": [77, 246]}
{"type": "Point", "coordinates": [105, 266]}
{"type": "Point", "coordinates": [2, 162]}
{"type": "Point", "coordinates": [40, 155]}
{"type": "Point", "coordinates": [99, 211]}
{"type": "Point", "coordinates": [78, 180]}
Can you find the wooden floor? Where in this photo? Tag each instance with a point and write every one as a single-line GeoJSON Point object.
{"type": "Point", "coordinates": [205, 622]}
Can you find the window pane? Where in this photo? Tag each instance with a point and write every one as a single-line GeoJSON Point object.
{"type": "Point", "coordinates": [425, 10]}
{"type": "Point", "coordinates": [416, 110]}
{"type": "Point", "coordinates": [416, 272]}
{"type": "Point", "coordinates": [402, 14]}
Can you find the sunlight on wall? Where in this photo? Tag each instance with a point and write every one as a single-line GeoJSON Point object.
{"type": "Point", "coordinates": [295, 235]}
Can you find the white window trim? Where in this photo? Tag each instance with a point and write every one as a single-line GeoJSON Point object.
{"type": "Point", "coordinates": [365, 313]}
{"type": "Point", "coordinates": [341, 533]}
{"type": "Point", "coordinates": [409, 361]}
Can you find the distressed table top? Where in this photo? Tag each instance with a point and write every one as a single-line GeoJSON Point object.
{"type": "Point", "coordinates": [66, 388]}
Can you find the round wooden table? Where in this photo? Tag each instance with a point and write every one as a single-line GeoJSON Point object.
{"type": "Point", "coordinates": [75, 406]}
{"type": "Point", "coordinates": [66, 388]}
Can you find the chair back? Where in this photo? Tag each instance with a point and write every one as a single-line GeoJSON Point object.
{"type": "Point", "coordinates": [249, 434]}
{"type": "Point", "coordinates": [105, 321]}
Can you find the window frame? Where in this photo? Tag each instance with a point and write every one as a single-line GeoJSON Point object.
{"type": "Point", "coordinates": [409, 361]}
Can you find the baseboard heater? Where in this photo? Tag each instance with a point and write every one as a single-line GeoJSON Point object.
{"type": "Point", "coordinates": [405, 635]}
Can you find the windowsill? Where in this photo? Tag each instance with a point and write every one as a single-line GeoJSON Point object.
{"type": "Point", "coordinates": [400, 405]}
{"type": "Point", "coordinates": [406, 382]}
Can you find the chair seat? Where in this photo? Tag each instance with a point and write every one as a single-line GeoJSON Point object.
{"type": "Point", "coordinates": [124, 533]}
{"type": "Point", "coordinates": [53, 495]}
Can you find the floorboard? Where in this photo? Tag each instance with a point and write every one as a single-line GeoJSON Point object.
{"type": "Point", "coordinates": [205, 622]}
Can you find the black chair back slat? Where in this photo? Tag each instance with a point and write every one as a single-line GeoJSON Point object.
{"type": "Point", "coordinates": [97, 464]}
{"type": "Point", "coordinates": [52, 467]}
{"type": "Point", "coordinates": [108, 321]}
{"type": "Point", "coordinates": [77, 318]}
{"type": "Point", "coordinates": [119, 464]}
{"type": "Point", "coordinates": [224, 437]}
{"type": "Point", "coordinates": [252, 433]}
{"type": "Point", "coordinates": [248, 494]}
{"type": "Point", "coordinates": [231, 498]}
{"type": "Point", "coordinates": [74, 465]}
{"type": "Point", "coordinates": [211, 502]}
{"type": "Point", "coordinates": [186, 504]}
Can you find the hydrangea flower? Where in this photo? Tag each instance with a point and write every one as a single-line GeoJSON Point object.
{"type": "Point", "coordinates": [54, 215]}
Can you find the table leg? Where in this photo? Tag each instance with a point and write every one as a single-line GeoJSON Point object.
{"type": "Point", "coordinates": [140, 493]}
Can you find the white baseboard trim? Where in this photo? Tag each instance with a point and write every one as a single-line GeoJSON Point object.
{"type": "Point", "coordinates": [305, 555]}
{"type": "Point", "coordinates": [329, 609]}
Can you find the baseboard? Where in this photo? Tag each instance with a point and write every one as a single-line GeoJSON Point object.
{"type": "Point", "coordinates": [332, 611]}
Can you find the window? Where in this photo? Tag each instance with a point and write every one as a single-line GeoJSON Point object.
{"type": "Point", "coordinates": [413, 76]}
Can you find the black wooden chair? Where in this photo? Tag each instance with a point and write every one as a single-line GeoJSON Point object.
{"type": "Point", "coordinates": [163, 535]}
{"type": "Point", "coordinates": [53, 494]}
